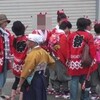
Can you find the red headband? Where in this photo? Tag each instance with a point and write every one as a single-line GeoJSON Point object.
{"type": "Point", "coordinates": [60, 12]}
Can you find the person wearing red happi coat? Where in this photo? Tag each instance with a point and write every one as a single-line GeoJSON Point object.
{"type": "Point", "coordinates": [58, 48]}
{"type": "Point", "coordinates": [5, 50]}
{"type": "Point", "coordinates": [19, 53]}
{"type": "Point", "coordinates": [78, 73]}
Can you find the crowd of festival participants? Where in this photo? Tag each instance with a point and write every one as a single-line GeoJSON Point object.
{"type": "Point", "coordinates": [49, 62]}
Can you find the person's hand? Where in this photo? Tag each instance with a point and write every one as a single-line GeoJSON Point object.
{"type": "Point", "coordinates": [56, 47]}
{"type": "Point", "coordinates": [18, 89]}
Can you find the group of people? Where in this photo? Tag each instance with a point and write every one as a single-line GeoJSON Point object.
{"type": "Point", "coordinates": [50, 57]}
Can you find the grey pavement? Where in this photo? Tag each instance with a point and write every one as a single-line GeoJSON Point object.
{"type": "Point", "coordinates": [9, 82]}
{"type": "Point", "coordinates": [8, 85]}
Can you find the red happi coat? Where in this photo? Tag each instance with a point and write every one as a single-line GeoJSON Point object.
{"type": "Point", "coordinates": [2, 45]}
{"type": "Point", "coordinates": [76, 45]}
{"type": "Point", "coordinates": [55, 29]}
{"type": "Point", "coordinates": [58, 45]}
{"type": "Point", "coordinates": [46, 35]}
{"type": "Point", "coordinates": [19, 52]}
{"type": "Point", "coordinates": [97, 45]}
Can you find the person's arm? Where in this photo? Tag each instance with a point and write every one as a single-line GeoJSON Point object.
{"type": "Point", "coordinates": [64, 48]}
{"type": "Point", "coordinates": [28, 68]}
{"type": "Point", "coordinates": [20, 85]}
{"type": "Point", "coordinates": [21, 82]}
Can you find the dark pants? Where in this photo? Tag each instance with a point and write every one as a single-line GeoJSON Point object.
{"type": "Point", "coordinates": [47, 74]}
{"type": "Point", "coordinates": [59, 77]}
{"type": "Point", "coordinates": [37, 90]}
{"type": "Point", "coordinates": [95, 79]}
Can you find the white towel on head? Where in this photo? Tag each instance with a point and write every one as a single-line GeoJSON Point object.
{"type": "Point", "coordinates": [35, 38]}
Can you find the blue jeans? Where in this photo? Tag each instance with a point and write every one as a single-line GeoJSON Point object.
{"type": "Point", "coordinates": [74, 87]}
{"type": "Point", "coordinates": [3, 75]}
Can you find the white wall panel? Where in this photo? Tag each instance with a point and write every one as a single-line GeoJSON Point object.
{"type": "Point", "coordinates": [24, 10]}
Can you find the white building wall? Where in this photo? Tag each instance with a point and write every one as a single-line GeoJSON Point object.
{"type": "Point", "coordinates": [24, 10]}
{"type": "Point", "coordinates": [98, 10]}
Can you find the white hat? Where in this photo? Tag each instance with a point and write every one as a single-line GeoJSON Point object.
{"type": "Point", "coordinates": [35, 38]}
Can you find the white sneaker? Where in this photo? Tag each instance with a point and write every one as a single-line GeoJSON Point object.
{"type": "Point", "coordinates": [93, 98]}
{"type": "Point", "coordinates": [50, 91]}
{"type": "Point", "coordinates": [57, 96]}
{"type": "Point", "coordinates": [66, 96]}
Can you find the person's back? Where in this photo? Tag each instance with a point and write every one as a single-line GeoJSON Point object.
{"type": "Point", "coordinates": [78, 73]}
{"type": "Point", "coordinates": [76, 45]}
{"type": "Point", "coordinates": [58, 49]}
{"type": "Point", "coordinates": [19, 52]}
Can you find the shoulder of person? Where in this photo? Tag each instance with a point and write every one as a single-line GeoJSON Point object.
{"type": "Point", "coordinates": [8, 31]}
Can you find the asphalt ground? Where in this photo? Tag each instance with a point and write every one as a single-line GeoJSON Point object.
{"type": "Point", "coordinates": [8, 85]}
{"type": "Point", "coordinates": [10, 80]}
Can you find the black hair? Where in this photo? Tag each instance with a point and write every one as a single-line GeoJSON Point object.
{"type": "Point", "coordinates": [97, 28]}
{"type": "Point", "coordinates": [88, 21]}
{"type": "Point", "coordinates": [61, 16]}
{"type": "Point", "coordinates": [81, 24]}
{"type": "Point", "coordinates": [19, 29]}
{"type": "Point", "coordinates": [65, 24]}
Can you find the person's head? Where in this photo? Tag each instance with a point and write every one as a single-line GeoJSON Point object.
{"type": "Point", "coordinates": [60, 15]}
{"type": "Point", "coordinates": [97, 28]}
{"type": "Point", "coordinates": [89, 24]}
{"type": "Point", "coordinates": [3, 21]}
{"type": "Point", "coordinates": [18, 28]}
{"type": "Point", "coordinates": [65, 25]}
{"type": "Point", "coordinates": [34, 40]}
{"type": "Point", "coordinates": [81, 24]}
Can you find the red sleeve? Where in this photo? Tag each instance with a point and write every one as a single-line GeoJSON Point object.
{"type": "Point", "coordinates": [68, 47]}
{"type": "Point", "coordinates": [49, 35]}
{"type": "Point", "coordinates": [34, 32]}
{"type": "Point", "coordinates": [63, 47]}
{"type": "Point", "coordinates": [11, 38]}
{"type": "Point", "coordinates": [11, 43]}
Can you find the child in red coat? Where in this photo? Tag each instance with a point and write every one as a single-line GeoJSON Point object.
{"type": "Point", "coordinates": [19, 52]}
{"type": "Point", "coordinates": [58, 48]}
